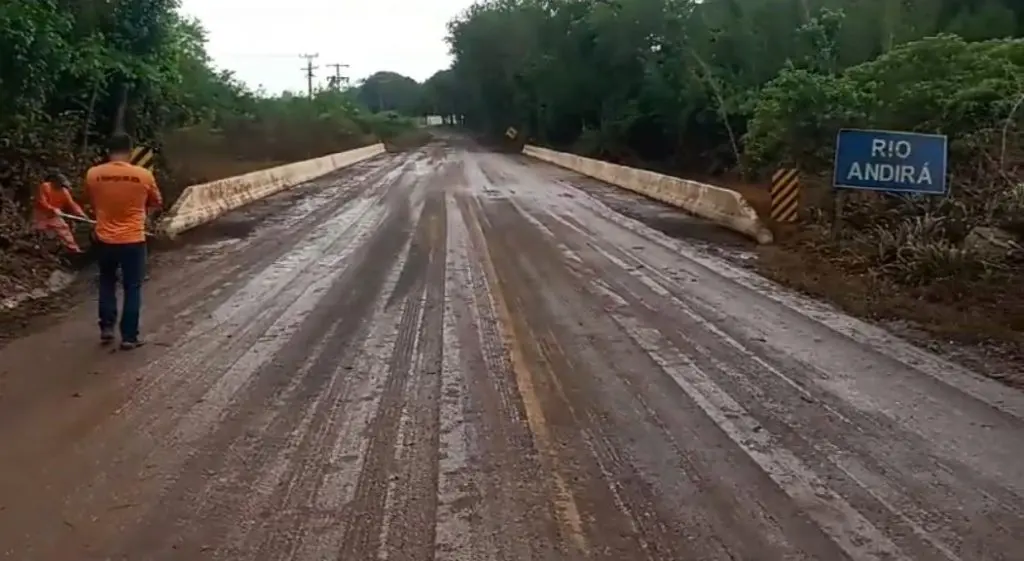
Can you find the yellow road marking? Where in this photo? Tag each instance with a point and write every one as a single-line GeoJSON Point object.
{"type": "Point", "coordinates": [565, 504]}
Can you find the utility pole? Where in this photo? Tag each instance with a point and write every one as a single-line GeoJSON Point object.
{"type": "Point", "coordinates": [309, 71]}
{"type": "Point", "coordinates": [337, 80]}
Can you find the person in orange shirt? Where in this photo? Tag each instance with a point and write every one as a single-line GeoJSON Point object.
{"type": "Point", "coordinates": [122, 195]}
{"type": "Point", "coordinates": [53, 198]}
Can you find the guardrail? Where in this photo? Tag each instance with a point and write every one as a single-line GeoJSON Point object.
{"type": "Point", "coordinates": [202, 203]}
{"type": "Point", "coordinates": [719, 205]}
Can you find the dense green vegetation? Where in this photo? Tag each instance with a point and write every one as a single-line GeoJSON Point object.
{"type": "Point", "coordinates": [695, 83]}
{"type": "Point", "coordinates": [70, 69]}
{"type": "Point", "coordinates": [720, 86]}
{"type": "Point", "coordinates": [389, 91]}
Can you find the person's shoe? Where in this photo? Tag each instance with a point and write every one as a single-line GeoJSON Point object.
{"type": "Point", "coordinates": [132, 345]}
{"type": "Point", "coordinates": [106, 336]}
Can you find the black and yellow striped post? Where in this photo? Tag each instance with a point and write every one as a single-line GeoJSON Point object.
{"type": "Point", "coordinates": [143, 156]}
{"type": "Point", "coordinates": [785, 195]}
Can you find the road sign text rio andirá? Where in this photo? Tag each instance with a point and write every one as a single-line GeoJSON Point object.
{"type": "Point", "coordinates": [891, 161]}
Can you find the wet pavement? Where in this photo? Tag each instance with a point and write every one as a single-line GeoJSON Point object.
{"type": "Point", "coordinates": [459, 355]}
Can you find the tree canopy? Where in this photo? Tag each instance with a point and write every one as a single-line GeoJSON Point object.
{"type": "Point", "coordinates": [390, 91]}
{"type": "Point", "coordinates": [73, 70]}
{"type": "Point", "coordinates": [693, 84]}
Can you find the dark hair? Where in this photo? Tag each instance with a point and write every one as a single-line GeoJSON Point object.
{"type": "Point", "coordinates": [119, 142]}
{"type": "Point", "coordinates": [58, 179]}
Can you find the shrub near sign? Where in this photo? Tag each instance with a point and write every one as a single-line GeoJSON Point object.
{"type": "Point", "coordinates": [897, 162]}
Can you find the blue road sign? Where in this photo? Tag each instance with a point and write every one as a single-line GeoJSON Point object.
{"type": "Point", "coordinates": [898, 162]}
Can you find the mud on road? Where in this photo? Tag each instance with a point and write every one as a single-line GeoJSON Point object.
{"type": "Point", "coordinates": [459, 355]}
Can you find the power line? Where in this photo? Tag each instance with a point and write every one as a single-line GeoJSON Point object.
{"type": "Point", "coordinates": [337, 80]}
{"type": "Point", "coordinates": [255, 55]}
{"type": "Point", "coordinates": [309, 68]}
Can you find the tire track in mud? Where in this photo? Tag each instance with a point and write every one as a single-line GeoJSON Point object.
{"type": "Point", "coordinates": [882, 478]}
{"type": "Point", "coordinates": [322, 528]}
{"type": "Point", "coordinates": [262, 251]}
{"type": "Point", "coordinates": [508, 506]}
{"type": "Point", "coordinates": [887, 474]}
{"type": "Point", "coordinates": [334, 328]}
{"type": "Point", "coordinates": [179, 296]}
{"type": "Point", "coordinates": [409, 528]}
{"type": "Point", "coordinates": [532, 376]}
{"type": "Point", "coordinates": [329, 195]}
{"type": "Point", "coordinates": [367, 516]}
{"type": "Point", "coordinates": [625, 516]}
{"type": "Point", "coordinates": [171, 389]}
{"type": "Point", "coordinates": [292, 505]}
{"type": "Point", "coordinates": [458, 491]}
{"type": "Point", "coordinates": [723, 521]}
{"type": "Point", "coordinates": [744, 539]}
{"type": "Point", "coordinates": [453, 362]}
{"type": "Point", "coordinates": [621, 518]}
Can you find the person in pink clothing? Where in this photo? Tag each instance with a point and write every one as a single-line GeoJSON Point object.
{"type": "Point", "coordinates": [53, 197]}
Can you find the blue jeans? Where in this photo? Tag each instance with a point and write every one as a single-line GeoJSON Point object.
{"type": "Point", "coordinates": [130, 259]}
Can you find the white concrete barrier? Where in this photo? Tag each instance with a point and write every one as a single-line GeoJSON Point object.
{"type": "Point", "coordinates": [721, 206]}
{"type": "Point", "coordinates": [202, 203]}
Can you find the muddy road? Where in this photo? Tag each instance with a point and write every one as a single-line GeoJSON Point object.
{"type": "Point", "coordinates": [459, 355]}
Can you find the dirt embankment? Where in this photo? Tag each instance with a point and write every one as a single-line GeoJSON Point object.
{"type": "Point", "coordinates": [27, 258]}
{"type": "Point", "coordinates": [977, 317]}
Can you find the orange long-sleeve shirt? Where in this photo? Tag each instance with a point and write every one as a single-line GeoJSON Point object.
{"type": "Point", "coordinates": [121, 194]}
{"type": "Point", "coordinates": [51, 199]}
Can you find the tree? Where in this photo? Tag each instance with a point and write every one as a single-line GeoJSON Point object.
{"type": "Point", "coordinates": [388, 91]}
{"type": "Point", "coordinates": [671, 82]}
{"type": "Point", "coordinates": [440, 95]}
{"type": "Point", "coordinates": [70, 69]}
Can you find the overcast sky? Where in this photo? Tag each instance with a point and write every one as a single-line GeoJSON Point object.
{"type": "Point", "coordinates": [262, 41]}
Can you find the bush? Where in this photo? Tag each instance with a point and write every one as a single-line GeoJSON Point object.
{"type": "Point", "coordinates": [968, 91]}
{"type": "Point", "coordinates": [387, 125]}
{"type": "Point", "coordinates": [939, 85]}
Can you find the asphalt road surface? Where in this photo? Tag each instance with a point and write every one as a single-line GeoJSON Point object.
{"type": "Point", "coordinates": [459, 355]}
